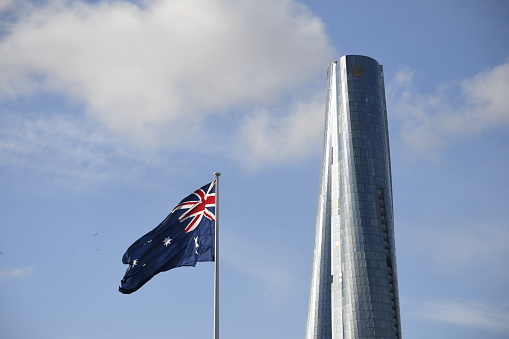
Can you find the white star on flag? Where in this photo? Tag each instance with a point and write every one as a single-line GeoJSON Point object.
{"type": "Point", "coordinates": [196, 244]}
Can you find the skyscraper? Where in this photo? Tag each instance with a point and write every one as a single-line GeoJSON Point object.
{"type": "Point", "coordinates": [354, 289]}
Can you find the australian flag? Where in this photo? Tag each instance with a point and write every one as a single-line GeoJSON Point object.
{"type": "Point", "coordinates": [185, 237]}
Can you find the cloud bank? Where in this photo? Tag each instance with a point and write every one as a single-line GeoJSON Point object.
{"type": "Point", "coordinates": [159, 72]}
{"type": "Point", "coordinates": [140, 77]}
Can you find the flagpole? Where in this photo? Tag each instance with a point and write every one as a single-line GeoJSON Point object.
{"type": "Point", "coordinates": [216, 262]}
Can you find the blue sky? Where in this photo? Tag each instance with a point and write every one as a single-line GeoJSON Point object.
{"type": "Point", "coordinates": [112, 111]}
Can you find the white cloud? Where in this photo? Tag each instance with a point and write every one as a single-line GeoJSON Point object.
{"type": "Point", "coordinates": [429, 122]}
{"type": "Point", "coordinates": [494, 317]}
{"type": "Point", "coordinates": [268, 139]}
{"type": "Point", "coordinates": [5, 4]}
{"type": "Point", "coordinates": [158, 73]}
{"type": "Point", "coordinates": [16, 273]}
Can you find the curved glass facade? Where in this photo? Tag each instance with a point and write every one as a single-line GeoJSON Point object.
{"type": "Point", "coordinates": [354, 291]}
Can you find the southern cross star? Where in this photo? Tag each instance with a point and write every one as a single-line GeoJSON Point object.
{"type": "Point", "coordinates": [167, 241]}
{"type": "Point", "coordinates": [196, 244]}
{"type": "Point", "coordinates": [135, 262]}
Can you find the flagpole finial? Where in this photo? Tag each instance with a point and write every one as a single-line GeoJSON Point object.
{"type": "Point", "coordinates": [217, 174]}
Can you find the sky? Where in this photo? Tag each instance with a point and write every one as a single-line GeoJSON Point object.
{"type": "Point", "coordinates": [112, 111]}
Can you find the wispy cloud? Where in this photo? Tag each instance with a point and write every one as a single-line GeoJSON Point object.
{"type": "Point", "coordinates": [474, 314]}
{"type": "Point", "coordinates": [65, 148]}
{"type": "Point", "coordinates": [158, 73]}
{"type": "Point", "coordinates": [454, 247]}
{"type": "Point", "coordinates": [259, 264]}
{"type": "Point", "coordinates": [429, 122]}
{"type": "Point", "coordinates": [16, 273]}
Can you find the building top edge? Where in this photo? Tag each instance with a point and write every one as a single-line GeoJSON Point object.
{"type": "Point", "coordinates": [357, 56]}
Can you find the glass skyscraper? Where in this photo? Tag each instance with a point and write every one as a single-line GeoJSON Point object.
{"type": "Point", "coordinates": [354, 288]}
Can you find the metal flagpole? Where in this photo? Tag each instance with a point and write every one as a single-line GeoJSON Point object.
{"type": "Point", "coordinates": [216, 263]}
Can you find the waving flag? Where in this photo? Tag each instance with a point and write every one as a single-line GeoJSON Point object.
{"type": "Point", "coordinates": [184, 238]}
